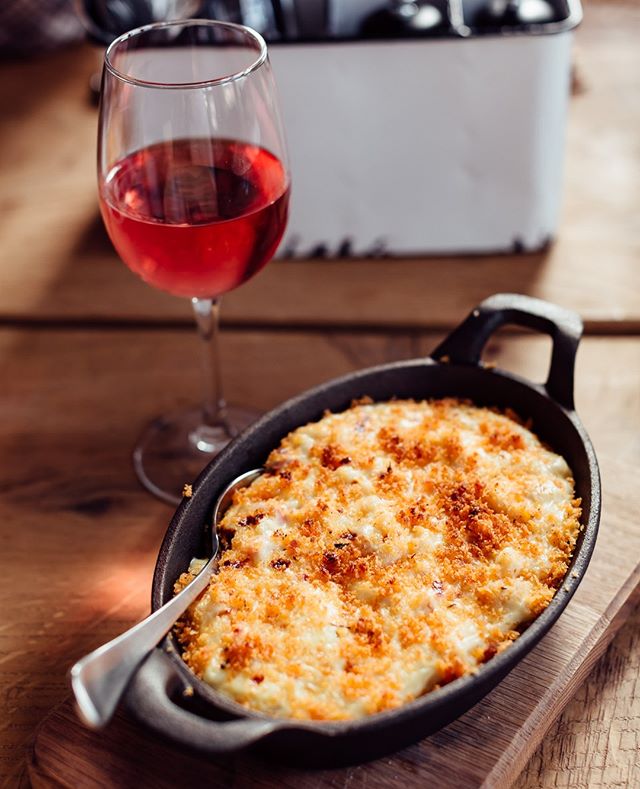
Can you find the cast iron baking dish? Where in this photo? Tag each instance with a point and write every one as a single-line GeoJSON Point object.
{"type": "Point", "coordinates": [167, 697]}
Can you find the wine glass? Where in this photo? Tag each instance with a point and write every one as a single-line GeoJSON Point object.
{"type": "Point", "coordinates": [194, 193]}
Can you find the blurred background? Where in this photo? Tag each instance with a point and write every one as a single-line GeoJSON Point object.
{"type": "Point", "coordinates": [446, 118]}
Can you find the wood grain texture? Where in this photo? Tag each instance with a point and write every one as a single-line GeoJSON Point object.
{"type": "Point", "coordinates": [47, 180]}
{"type": "Point", "coordinates": [78, 537]}
{"type": "Point", "coordinates": [595, 744]}
{"type": "Point", "coordinates": [487, 747]}
{"type": "Point", "coordinates": [74, 402]}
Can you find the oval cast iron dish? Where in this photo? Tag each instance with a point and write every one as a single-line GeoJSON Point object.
{"type": "Point", "coordinates": [207, 720]}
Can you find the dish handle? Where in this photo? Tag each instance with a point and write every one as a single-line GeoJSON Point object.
{"type": "Point", "coordinates": [465, 343]}
{"type": "Point", "coordinates": [149, 697]}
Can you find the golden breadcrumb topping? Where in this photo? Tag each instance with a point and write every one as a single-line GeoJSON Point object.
{"type": "Point", "coordinates": [386, 551]}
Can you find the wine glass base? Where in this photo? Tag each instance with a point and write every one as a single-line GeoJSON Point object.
{"type": "Point", "coordinates": [174, 449]}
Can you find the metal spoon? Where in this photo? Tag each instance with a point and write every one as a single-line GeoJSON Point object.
{"type": "Point", "coordinates": [100, 678]}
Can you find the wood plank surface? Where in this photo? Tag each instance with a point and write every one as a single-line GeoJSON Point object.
{"type": "Point", "coordinates": [79, 537]}
{"type": "Point", "coordinates": [94, 353]}
{"type": "Point", "coordinates": [47, 181]}
{"type": "Point", "coordinates": [487, 747]}
{"type": "Point", "coordinates": [595, 743]}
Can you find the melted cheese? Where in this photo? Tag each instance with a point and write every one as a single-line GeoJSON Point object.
{"type": "Point", "coordinates": [386, 551]}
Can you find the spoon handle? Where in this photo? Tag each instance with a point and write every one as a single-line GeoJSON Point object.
{"type": "Point", "coordinates": [100, 678]}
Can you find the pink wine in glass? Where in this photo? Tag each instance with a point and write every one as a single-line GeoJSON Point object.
{"type": "Point", "coordinates": [196, 217]}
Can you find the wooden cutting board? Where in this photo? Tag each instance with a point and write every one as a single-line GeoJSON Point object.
{"type": "Point", "coordinates": [487, 747]}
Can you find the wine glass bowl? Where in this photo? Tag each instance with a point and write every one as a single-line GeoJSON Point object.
{"type": "Point", "coordinates": [194, 193]}
{"type": "Point", "coordinates": [196, 217]}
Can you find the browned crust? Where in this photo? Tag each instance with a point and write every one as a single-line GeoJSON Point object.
{"type": "Point", "coordinates": [396, 600]}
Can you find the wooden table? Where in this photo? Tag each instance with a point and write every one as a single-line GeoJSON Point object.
{"type": "Point", "coordinates": [89, 353]}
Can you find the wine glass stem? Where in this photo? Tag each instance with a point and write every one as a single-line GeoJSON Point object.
{"type": "Point", "coordinates": [214, 408]}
